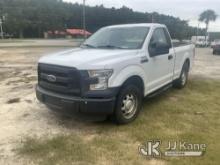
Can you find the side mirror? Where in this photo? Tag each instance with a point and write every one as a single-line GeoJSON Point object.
{"type": "Point", "coordinates": [158, 48]}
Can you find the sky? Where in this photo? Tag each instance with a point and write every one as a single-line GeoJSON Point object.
{"type": "Point", "coordinates": [185, 9]}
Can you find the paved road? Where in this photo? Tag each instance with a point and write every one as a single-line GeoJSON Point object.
{"type": "Point", "coordinates": [206, 65]}
{"type": "Point", "coordinates": [40, 43]}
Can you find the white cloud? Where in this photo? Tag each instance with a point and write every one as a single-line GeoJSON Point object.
{"type": "Point", "coordinates": [185, 9]}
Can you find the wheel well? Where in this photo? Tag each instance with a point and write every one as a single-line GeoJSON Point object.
{"type": "Point", "coordinates": [137, 81]}
{"type": "Point", "coordinates": [187, 61]}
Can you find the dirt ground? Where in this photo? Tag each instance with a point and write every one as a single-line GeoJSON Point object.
{"type": "Point", "coordinates": [206, 65]}
{"type": "Point", "coordinates": [21, 115]}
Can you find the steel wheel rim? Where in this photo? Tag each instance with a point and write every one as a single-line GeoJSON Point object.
{"type": "Point", "coordinates": [129, 106]}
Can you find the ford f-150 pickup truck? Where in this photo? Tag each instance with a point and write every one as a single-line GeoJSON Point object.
{"type": "Point", "coordinates": [113, 70]}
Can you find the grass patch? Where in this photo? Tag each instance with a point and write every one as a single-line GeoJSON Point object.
{"type": "Point", "coordinates": [58, 150]}
{"type": "Point", "coordinates": [191, 115]}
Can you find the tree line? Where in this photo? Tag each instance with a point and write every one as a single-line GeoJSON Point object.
{"type": "Point", "coordinates": [31, 18]}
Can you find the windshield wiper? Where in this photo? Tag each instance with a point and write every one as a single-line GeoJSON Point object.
{"type": "Point", "coordinates": [110, 47]}
{"type": "Point", "coordinates": [88, 45]}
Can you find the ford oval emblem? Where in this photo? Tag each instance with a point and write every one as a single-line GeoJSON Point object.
{"type": "Point", "coordinates": [51, 78]}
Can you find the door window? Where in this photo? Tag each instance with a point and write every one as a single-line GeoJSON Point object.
{"type": "Point", "coordinates": [159, 36]}
{"type": "Point", "coordinates": [159, 43]}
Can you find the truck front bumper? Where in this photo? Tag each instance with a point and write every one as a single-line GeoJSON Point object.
{"type": "Point", "coordinates": [70, 105]}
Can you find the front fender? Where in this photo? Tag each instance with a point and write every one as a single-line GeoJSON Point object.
{"type": "Point", "coordinates": [121, 76]}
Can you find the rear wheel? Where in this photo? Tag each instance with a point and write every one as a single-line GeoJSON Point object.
{"type": "Point", "coordinates": [183, 79]}
{"type": "Point", "coordinates": [128, 104]}
{"type": "Point", "coordinates": [214, 52]}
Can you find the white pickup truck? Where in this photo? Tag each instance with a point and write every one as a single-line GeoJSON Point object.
{"type": "Point", "coordinates": [111, 72]}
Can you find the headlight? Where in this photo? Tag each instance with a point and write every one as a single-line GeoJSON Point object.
{"type": "Point", "coordinates": [102, 77]}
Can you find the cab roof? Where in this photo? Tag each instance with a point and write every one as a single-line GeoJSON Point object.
{"type": "Point", "coordinates": [151, 25]}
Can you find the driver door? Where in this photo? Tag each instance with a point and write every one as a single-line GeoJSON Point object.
{"type": "Point", "coordinates": [158, 67]}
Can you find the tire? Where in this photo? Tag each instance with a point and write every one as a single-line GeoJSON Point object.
{"type": "Point", "coordinates": [128, 104]}
{"type": "Point", "coordinates": [183, 79]}
{"type": "Point", "coordinates": [214, 52]}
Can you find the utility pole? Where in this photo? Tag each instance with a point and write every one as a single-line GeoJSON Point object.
{"type": "Point", "coordinates": [2, 34]}
{"type": "Point", "coordinates": [84, 19]}
{"type": "Point", "coordinates": [152, 18]}
{"type": "Point", "coordinates": [197, 32]}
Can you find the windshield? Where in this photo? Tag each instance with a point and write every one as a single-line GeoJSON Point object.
{"type": "Point", "coordinates": [118, 38]}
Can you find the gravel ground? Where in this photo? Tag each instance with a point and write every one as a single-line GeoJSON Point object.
{"type": "Point", "coordinates": [21, 115]}
{"type": "Point", "coordinates": [206, 65]}
{"type": "Point", "coordinates": [39, 43]}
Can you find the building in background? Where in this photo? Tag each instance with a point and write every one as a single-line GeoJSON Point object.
{"type": "Point", "coordinates": [200, 41]}
{"type": "Point", "coordinates": [68, 33]}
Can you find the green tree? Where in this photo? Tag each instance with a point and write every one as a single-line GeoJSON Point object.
{"type": "Point", "coordinates": [31, 18]}
{"type": "Point", "coordinates": [207, 16]}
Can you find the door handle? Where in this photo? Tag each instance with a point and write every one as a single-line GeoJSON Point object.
{"type": "Point", "coordinates": [170, 57]}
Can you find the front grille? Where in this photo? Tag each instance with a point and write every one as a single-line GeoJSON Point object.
{"type": "Point", "coordinates": [67, 79]}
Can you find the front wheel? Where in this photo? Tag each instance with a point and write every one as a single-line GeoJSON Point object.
{"type": "Point", "coordinates": [128, 104]}
{"type": "Point", "coordinates": [183, 79]}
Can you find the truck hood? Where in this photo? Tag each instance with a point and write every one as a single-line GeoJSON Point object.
{"type": "Point", "coordinates": [84, 59]}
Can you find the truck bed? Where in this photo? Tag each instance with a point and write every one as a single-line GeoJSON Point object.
{"type": "Point", "coordinates": [180, 43]}
{"type": "Point", "coordinates": [182, 51]}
